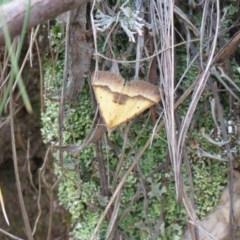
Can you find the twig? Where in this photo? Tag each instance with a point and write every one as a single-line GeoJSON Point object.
{"type": "Point", "coordinates": [220, 79]}
{"type": "Point", "coordinates": [29, 165]}
{"type": "Point", "coordinates": [198, 90]}
{"type": "Point", "coordinates": [3, 208]}
{"type": "Point", "coordinates": [40, 174]}
{"type": "Point", "coordinates": [10, 235]}
{"type": "Point", "coordinates": [201, 153]}
{"type": "Point", "coordinates": [16, 172]}
{"type": "Point", "coordinates": [64, 88]}
{"type": "Point", "coordinates": [41, 11]}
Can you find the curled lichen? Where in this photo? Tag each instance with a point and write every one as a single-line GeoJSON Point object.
{"type": "Point", "coordinates": [129, 20]}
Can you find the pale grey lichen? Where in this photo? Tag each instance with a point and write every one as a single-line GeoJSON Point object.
{"type": "Point", "coordinates": [128, 19]}
{"type": "Point", "coordinates": [103, 22]}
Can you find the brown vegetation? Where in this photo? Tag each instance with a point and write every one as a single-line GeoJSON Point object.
{"type": "Point", "coordinates": [216, 224]}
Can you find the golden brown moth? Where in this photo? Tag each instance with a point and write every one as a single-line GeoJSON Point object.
{"type": "Point", "coordinates": [120, 102]}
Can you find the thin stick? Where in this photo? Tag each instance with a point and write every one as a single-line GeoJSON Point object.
{"type": "Point", "coordinates": [10, 235]}
{"type": "Point", "coordinates": [16, 172]}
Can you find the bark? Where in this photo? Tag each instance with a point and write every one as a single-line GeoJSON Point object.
{"type": "Point", "coordinates": [41, 10]}
{"type": "Point", "coordinates": [80, 54]}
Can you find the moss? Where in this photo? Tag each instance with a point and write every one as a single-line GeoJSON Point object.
{"type": "Point", "coordinates": [148, 205]}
